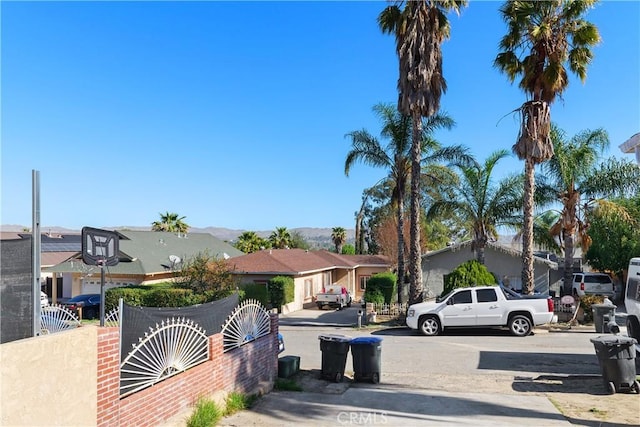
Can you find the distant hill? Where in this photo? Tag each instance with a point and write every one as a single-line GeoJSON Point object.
{"type": "Point", "coordinates": [317, 237]}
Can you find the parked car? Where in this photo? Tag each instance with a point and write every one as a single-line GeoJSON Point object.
{"type": "Point", "coordinates": [482, 306]}
{"type": "Point", "coordinates": [334, 296]}
{"type": "Point", "coordinates": [632, 300]}
{"type": "Point", "coordinates": [44, 300]}
{"type": "Point", "coordinates": [280, 343]}
{"type": "Point", "coordinates": [89, 303]}
{"type": "Point", "coordinates": [592, 284]}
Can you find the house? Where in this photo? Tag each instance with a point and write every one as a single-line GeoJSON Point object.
{"type": "Point", "coordinates": [310, 270]}
{"type": "Point", "coordinates": [504, 262]}
{"type": "Point", "coordinates": [145, 257]}
{"type": "Point", "coordinates": [632, 145]}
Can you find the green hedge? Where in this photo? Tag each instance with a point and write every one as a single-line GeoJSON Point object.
{"type": "Point", "coordinates": [467, 274]}
{"type": "Point", "coordinates": [256, 291]}
{"type": "Point", "coordinates": [381, 288]}
{"type": "Point", "coordinates": [281, 291]}
{"type": "Point", "coordinates": [150, 296]}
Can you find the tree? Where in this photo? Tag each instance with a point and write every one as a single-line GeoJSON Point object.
{"type": "Point", "coordinates": [482, 204]}
{"type": "Point", "coordinates": [542, 37]}
{"type": "Point", "coordinates": [338, 236]}
{"type": "Point", "coordinates": [615, 236]}
{"type": "Point", "coordinates": [298, 241]}
{"type": "Point", "coordinates": [574, 174]}
{"type": "Point", "coordinates": [280, 238]}
{"type": "Point", "coordinates": [205, 273]}
{"type": "Point", "coordinates": [348, 249]}
{"type": "Point", "coordinates": [396, 157]}
{"type": "Point", "coordinates": [419, 28]}
{"type": "Point", "coordinates": [170, 222]}
{"type": "Point", "coordinates": [249, 242]}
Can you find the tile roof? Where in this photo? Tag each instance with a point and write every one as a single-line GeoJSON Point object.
{"type": "Point", "coordinates": [299, 261]}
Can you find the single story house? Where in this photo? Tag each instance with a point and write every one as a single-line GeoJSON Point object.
{"type": "Point", "coordinates": [310, 270]}
{"type": "Point", "coordinates": [145, 257]}
{"type": "Point", "coordinates": [504, 262]}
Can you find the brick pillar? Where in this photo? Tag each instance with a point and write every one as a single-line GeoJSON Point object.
{"type": "Point", "coordinates": [108, 377]}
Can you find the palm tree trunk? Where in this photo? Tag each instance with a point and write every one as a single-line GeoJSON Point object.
{"type": "Point", "coordinates": [527, 227]}
{"type": "Point", "coordinates": [400, 218]}
{"type": "Point", "coordinates": [570, 201]}
{"type": "Point", "coordinates": [415, 264]}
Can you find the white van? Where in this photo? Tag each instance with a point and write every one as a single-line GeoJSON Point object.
{"type": "Point", "coordinates": [632, 299]}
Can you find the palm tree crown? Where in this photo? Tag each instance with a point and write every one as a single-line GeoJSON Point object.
{"type": "Point", "coordinates": [280, 238]}
{"type": "Point", "coordinates": [339, 236]}
{"type": "Point", "coordinates": [170, 222]}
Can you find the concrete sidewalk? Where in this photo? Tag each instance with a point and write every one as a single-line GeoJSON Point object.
{"type": "Point", "coordinates": [396, 406]}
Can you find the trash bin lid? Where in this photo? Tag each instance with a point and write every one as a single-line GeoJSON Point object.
{"type": "Point", "coordinates": [366, 340]}
{"type": "Point", "coordinates": [334, 337]}
{"type": "Point", "coordinates": [604, 305]}
{"type": "Point", "coordinates": [613, 340]}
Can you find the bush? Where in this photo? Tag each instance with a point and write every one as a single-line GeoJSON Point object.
{"type": "Point", "coordinates": [383, 284]}
{"type": "Point", "coordinates": [256, 291]}
{"type": "Point", "coordinates": [151, 296]}
{"type": "Point", "coordinates": [348, 249]}
{"type": "Point", "coordinates": [467, 274]}
{"type": "Point", "coordinates": [586, 302]}
{"type": "Point", "coordinates": [281, 291]}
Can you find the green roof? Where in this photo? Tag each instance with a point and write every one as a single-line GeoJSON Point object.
{"type": "Point", "coordinates": [148, 252]}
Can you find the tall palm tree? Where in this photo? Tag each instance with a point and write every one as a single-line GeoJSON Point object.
{"type": "Point", "coordinates": [396, 157]}
{"type": "Point", "coordinates": [280, 238]}
{"type": "Point", "coordinates": [339, 236]}
{"type": "Point", "coordinates": [577, 180]}
{"type": "Point", "coordinates": [170, 222]}
{"type": "Point", "coordinates": [419, 27]}
{"type": "Point", "coordinates": [542, 37]}
{"type": "Point", "coordinates": [249, 242]}
{"type": "Point", "coordinates": [482, 203]}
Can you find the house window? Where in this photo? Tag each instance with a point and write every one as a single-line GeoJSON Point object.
{"type": "Point", "coordinates": [308, 288]}
{"type": "Point", "coordinates": [363, 282]}
{"type": "Point", "coordinates": [326, 279]}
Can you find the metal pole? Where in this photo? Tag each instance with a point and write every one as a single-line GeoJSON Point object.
{"type": "Point", "coordinates": [102, 304]}
{"type": "Point", "coordinates": [35, 249]}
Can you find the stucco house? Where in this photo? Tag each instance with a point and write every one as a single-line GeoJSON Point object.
{"type": "Point", "coordinates": [503, 261]}
{"type": "Point", "coordinates": [310, 270]}
{"type": "Point", "coordinates": [145, 257]}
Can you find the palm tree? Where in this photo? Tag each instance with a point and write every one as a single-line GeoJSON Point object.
{"type": "Point", "coordinates": [542, 37]}
{"type": "Point", "coordinates": [419, 28]}
{"type": "Point", "coordinates": [170, 222]}
{"type": "Point", "coordinates": [578, 180]}
{"type": "Point", "coordinates": [339, 236]}
{"type": "Point", "coordinates": [396, 157]}
{"type": "Point", "coordinates": [249, 242]}
{"type": "Point", "coordinates": [482, 204]}
{"type": "Point", "coordinates": [280, 238]}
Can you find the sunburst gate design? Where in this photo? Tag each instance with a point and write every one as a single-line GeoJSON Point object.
{"type": "Point", "coordinates": [249, 321]}
{"type": "Point", "coordinates": [56, 318]}
{"type": "Point", "coordinates": [172, 347]}
{"type": "Point", "coordinates": [113, 317]}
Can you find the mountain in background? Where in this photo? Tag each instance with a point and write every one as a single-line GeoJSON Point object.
{"type": "Point", "coordinates": [317, 237]}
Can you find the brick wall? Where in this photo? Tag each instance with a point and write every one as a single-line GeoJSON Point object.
{"type": "Point", "coordinates": [249, 369]}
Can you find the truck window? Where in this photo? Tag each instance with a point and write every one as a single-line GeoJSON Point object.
{"type": "Point", "coordinates": [486, 295]}
{"type": "Point", "coordinates": [633, 289]}
{"type": "Point", "coordinates": [463, 297]}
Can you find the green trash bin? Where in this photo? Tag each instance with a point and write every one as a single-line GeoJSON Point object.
{"type": "Point", "coordinates": [602, 315]}
{"type": "Point", "coordinates": [367, 358]}
{"type": "Point", "coordinates": [334, 356]}
{"type": "Point", "coordinates": [616, 356]}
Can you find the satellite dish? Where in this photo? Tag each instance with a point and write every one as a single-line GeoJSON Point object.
{"type": "Point", "coordinates": [174, 259]}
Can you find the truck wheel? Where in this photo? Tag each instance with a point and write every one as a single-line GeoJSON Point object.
{"type": "Point", "coordinates": [636, 387]}
{"type": "Point", "coordinates": [319, 306]}
{"type": "Point", "coordinates": [429, 326]}
{"type": "Point", "coordinates": [611, 388]}
{"type": "Point", "coordinates": [520, 325]}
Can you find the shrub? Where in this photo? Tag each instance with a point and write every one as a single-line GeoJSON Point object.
{"type": "Point", "coordinates": [281, 291]}
{"type": "Point", "coordinates": [151, 296]}
{"type": "Point", "coordinates": [206, 414]}
{"type": "Point", "coordinates": [256, 291]}
{"type": "Point", "coordinates": [383, 284]}
{"type": "Point", "coordinates": [586, 302]}
{"type": "Point", "coordinates": [237, 402]}
{"type": "Point", "coordinates": [467, 274]}
{"type": "Point", "coordinates": [348, 249]}
{"type": "Point", "coordinates": [205, 273]}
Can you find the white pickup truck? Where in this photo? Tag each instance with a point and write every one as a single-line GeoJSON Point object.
{"type": "Point", "coordinates": [483, 307]}
{"type": "Point", "coordinates": [334, 296]}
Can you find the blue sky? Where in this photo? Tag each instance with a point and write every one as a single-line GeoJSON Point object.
{"type": "Point", "coordinates": [234, 114]}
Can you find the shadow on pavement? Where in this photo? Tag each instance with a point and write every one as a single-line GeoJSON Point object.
{"type": "Point", "coordinates": [555, 363]}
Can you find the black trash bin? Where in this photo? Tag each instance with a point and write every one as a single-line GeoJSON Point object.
{"type": "Point", "coordinates": [367, 358]}
{"type": "Point", "coordinates": [616, 356]}
{"type": "Point", "coordinates": [334, 356]}
{"type": "Point", "coordinates": [602, 315]}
